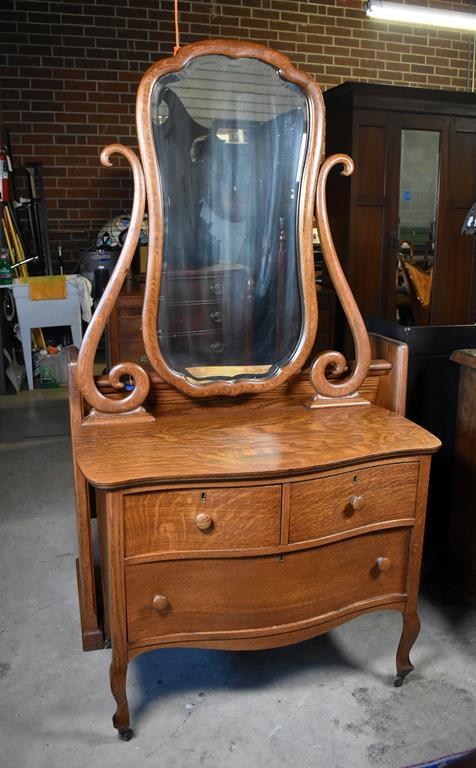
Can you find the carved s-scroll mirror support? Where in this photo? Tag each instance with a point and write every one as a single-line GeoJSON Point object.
{"type": "Point", "coordinates": [103, 406]}
{"type": "Point", "coordinates": [329, 366]}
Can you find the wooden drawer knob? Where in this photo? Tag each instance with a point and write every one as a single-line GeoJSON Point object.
{"type": "Point", "coordinates": [160, 602]}
{"type": "Point", "coordinates": [357, 502]}
{"type": "Point", "coordinates": [203, 521]}
{"type": "Point", "coordinates": [383, 563]}
{"type": "Point", "coordinates": [216, 288]}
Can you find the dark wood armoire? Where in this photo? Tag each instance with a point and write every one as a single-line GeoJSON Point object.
{"type": "Point", "coordinates": [366, 121]}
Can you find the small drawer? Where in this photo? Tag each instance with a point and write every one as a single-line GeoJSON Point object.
{"type": "Point", "coordinates": [208, 316]}
{"type": "Point", "coordinates": [344, 502]}
{"type": "Point", "coordinates": [130, 306]}
{"type": "Point", "coordinates": [129, 328]}
{"type": "Point", "coordinates": [216, 518]}
{"type": "Point", "coordinates": [266, 592]}
{"type": "Point", "coordinates": [176, 320]}
{"type": "Point", "coordinates": [196, 347]}
{"type": "Point", "coordinates": [178, 289]}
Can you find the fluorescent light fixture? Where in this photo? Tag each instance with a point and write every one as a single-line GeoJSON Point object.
{"type": "Point", "coordinates": [416, 14]}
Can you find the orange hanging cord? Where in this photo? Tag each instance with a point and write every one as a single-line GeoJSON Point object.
{"type": "Point", "coordinates": [177, 33]}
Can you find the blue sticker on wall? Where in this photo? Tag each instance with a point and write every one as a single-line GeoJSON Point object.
{"type": "Point", "coordinates": [407, 195]}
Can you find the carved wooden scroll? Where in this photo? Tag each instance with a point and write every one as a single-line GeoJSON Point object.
{"type": "Point", "coordinates": [332, 392]}
{"type": "Point", "coordinates": [103, 406]}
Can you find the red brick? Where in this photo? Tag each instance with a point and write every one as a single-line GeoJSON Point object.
{"type": "Point", "coordinates": [71, 71]}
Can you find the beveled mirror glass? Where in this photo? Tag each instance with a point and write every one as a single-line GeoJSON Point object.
{"type": "Point", "coordinates": [230, 138]}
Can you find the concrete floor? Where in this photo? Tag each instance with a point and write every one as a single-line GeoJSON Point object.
{"type": "Point", "coordinates": [328, 702]}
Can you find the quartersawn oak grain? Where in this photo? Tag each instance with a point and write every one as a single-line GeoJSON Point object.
{"type": "Point", "coordinates": [320, 507]}
{"type": "Point", "coordinates": [132, 403]}
{"type": "Point", "coordinates": [167, 520]}
{"type": "Point", "coordinates": [345, 391]}
{"type": "Point", "coordinates": [244, 443]}
{"type": "Point", "coordinates": [262, 592]}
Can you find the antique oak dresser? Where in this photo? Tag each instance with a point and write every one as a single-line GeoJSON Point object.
{"type": "Point", "coordinates": [242, 502]}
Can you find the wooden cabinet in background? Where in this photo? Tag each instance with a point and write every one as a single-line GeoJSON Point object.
{"type": "Point", "coordinates": [124, 329]}
{"type": "Point", "coordinates": [463, 516]}
{"type": "Point", "coordinates": [199, 317]}
{"type": "Point", "coordinates": [365, 121]}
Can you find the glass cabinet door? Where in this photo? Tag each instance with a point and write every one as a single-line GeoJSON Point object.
{"type": "Point", "coordinates": [417, 223]}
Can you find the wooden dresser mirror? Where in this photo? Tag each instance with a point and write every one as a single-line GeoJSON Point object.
{"type": "Point", "coordinates": [231, 138]}
{"type": "Point", "coordinates": [241, 501]}
{"type": "Point", "coordinates": [230, 233]}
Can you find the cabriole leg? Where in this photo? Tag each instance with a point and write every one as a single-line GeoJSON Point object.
{"type": "Point", "coordinates": [410, 632]}
{"type": "Point", "coordinates": [120, 719]}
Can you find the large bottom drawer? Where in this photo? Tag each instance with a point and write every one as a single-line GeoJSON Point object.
{"type": "Point", "coordinates": [213, 595]}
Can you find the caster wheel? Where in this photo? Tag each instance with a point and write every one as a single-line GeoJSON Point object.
{"type": "Point", "coordinates": [398, 680]}
{"type": "Point", "coordinates": [126, 734]}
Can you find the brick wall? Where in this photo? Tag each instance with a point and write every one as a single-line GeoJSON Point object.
{"type": "Point", "coordinates": [70, 72]}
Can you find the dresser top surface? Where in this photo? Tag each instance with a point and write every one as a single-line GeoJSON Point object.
{"type": "Point", "coordinates": [243, 443]}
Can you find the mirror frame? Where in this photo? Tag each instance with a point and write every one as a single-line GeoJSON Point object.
{"type": "Point", "coordinates": [234, 49]}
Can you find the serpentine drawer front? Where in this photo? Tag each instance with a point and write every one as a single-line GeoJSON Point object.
{"type": "Point", "coordinates": [215, 518]}
{"type": "Point", "coordinates": [352, 499]}
{"type": "Point", "coordinates": [216, 595]}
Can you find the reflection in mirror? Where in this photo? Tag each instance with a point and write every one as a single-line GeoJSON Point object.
{"type": "Point", "coordinates": [231, 138]}
{"type": "Point", "coordinates": [418, 201]}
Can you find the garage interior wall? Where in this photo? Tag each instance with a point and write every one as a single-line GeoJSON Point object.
{"type": "Point", "coordinates": [70, 73]}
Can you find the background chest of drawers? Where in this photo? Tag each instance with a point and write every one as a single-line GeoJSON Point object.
{"type": "Point", "coordinates": [192, 323]}
{"type": "Point", "coordinates": [203, 321]}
